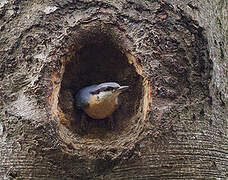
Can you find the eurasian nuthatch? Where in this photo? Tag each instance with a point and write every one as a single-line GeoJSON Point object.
{"type": "Point", "coordinates": [99, 101]}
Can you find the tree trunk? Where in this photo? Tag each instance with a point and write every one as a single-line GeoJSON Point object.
{"type": "Point", "coordinates": [172, 123]}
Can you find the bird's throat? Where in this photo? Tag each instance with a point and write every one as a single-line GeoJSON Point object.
{"type": "Point", "coordinates": [101, 109]}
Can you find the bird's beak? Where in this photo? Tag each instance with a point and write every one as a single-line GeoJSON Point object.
{"type": "Point", "coordinates": [122, 88]}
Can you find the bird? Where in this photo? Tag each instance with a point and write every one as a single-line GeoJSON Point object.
{"type": "Point", "coordinates": [99, 101]}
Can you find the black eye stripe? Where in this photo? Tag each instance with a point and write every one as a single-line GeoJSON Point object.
{"type": "Point", "coordinates": [103, 89]}
{"type": "Point", "coordinates": [109, 89]}
{"type": "Point", "coordinates": [95, 92]}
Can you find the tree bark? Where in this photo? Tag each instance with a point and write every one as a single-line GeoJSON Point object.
{"type": "Point", "coordinates": [173, 121]}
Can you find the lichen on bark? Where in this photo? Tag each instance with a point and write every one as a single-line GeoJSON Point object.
{"type": "Point", "coordinates": [179, 49]}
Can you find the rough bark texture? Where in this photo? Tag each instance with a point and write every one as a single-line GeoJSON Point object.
{"type": "Point", "coordinates": [172, 53]}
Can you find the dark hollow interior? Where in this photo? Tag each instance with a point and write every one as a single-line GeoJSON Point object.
{"type": "Point", "coordinates": [97, 63]}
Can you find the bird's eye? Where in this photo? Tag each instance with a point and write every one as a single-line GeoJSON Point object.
{"type": "Point", "coordinates": [109, 89]}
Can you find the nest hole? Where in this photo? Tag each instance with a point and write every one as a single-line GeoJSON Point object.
{"type": "Point", "coordinates": [96, 63]}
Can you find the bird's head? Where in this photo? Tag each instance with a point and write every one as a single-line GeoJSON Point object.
{"type": "Point", "coordinates": [109, 90]}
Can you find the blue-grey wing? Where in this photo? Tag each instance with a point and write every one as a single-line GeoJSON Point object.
{"type": "Point", "coordinates": [82, 97]}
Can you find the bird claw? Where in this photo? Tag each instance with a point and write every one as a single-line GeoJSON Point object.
{"type": "Point", "coordinates": [84, 122]}
{"type": "Point", "coordinates": [111, 123]}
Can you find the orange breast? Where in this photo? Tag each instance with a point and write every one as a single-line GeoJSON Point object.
{"type": "Point", "coordinates": [101, 109]}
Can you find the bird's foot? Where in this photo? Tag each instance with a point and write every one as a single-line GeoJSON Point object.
{"type": "Point", "coordinates": [84, 122]}
{"type": "Point", "coordinates": [111, 123]}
